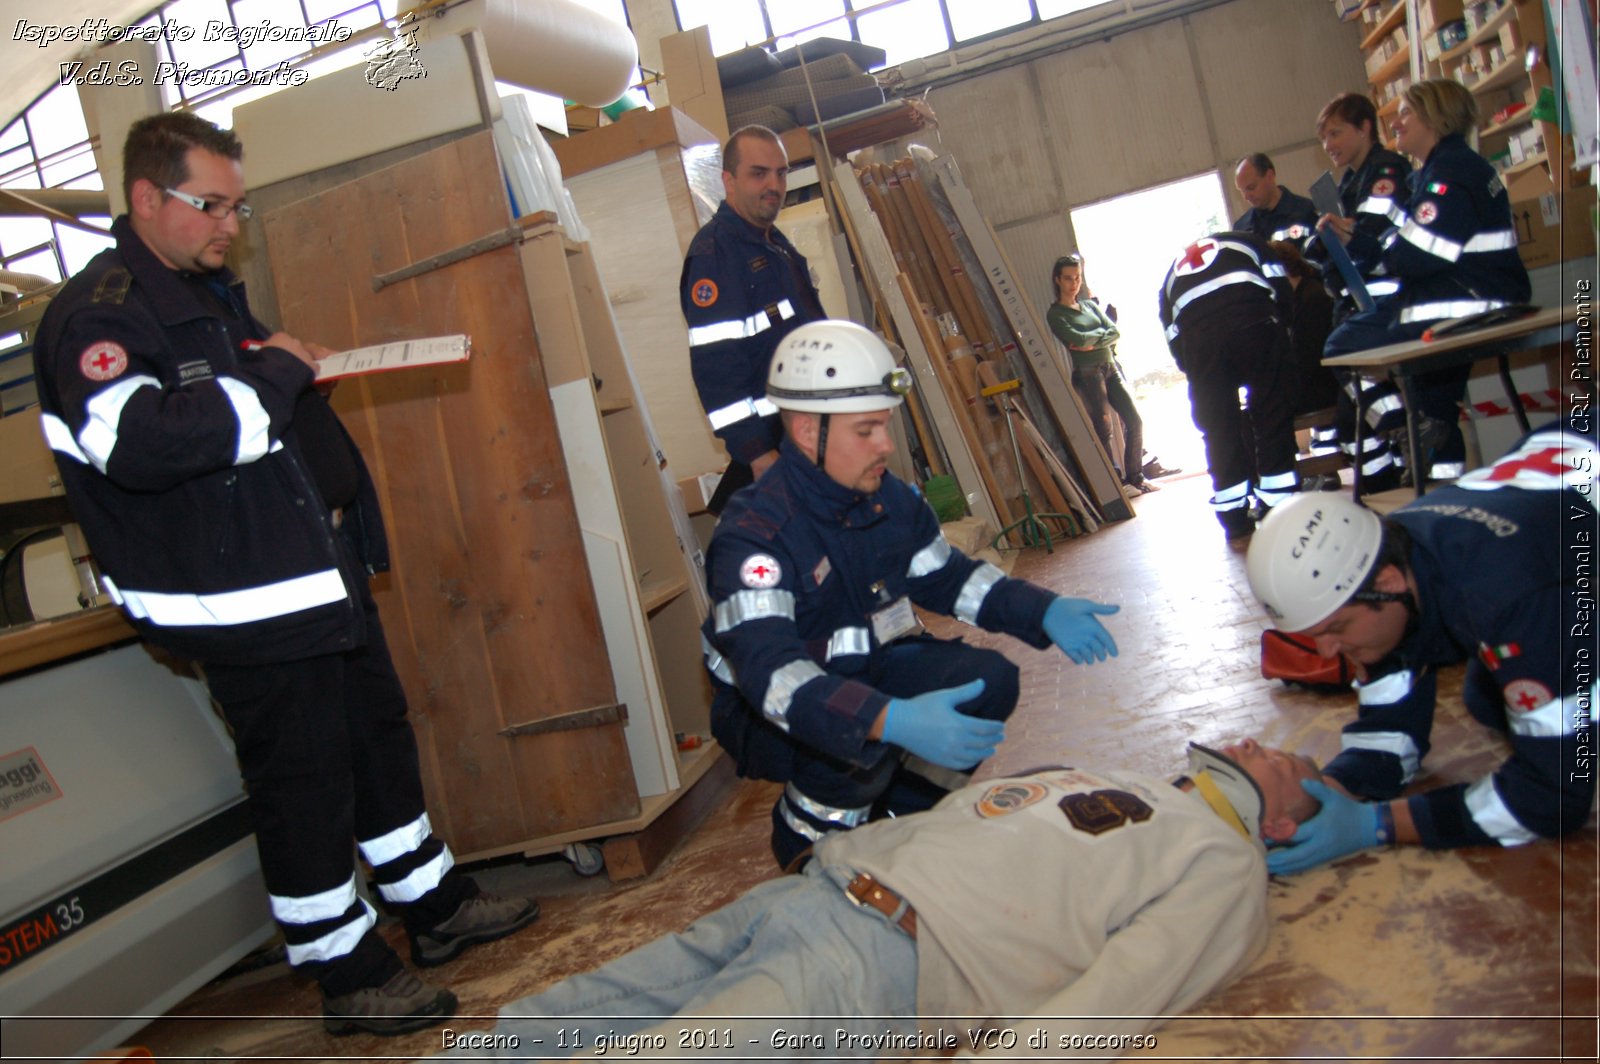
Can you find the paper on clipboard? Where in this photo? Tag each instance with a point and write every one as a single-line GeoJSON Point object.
{"type": "Point", "coordinates": [402, 354]}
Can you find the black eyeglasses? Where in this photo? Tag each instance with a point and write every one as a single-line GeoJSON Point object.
{"type": "Point", "coordinates": [217, 210]}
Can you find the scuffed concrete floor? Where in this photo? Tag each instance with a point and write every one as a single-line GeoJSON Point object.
{"type": "Point", "coordinates": [1387, 955]}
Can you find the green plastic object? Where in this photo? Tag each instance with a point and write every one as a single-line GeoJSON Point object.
{"type": "Point", "coordinates": [1545, 108]}
{"type": "Point", "coordinates": [944, 495]}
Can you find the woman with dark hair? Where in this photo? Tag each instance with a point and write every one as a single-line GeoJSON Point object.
{"type": "Point", "coordinates": [1452, 248]}
{"type": "Point", "coordinates": [1089, 333]}
{"type": "Point", "coordinates": [1374, 181]}
{"type": "Point", "coordinates": [1310, 321]}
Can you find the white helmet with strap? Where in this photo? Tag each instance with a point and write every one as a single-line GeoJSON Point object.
{"type": "Point", "coordinates": [835, 367]}
{"type": "Point", "coordinates": [1310, 556]}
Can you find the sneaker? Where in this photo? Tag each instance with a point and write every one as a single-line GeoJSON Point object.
{"type": "Point", "coordinates": [1154, 469]}
{"type": "Point", "coordinates": [1140, 487]}
{"type": "Point", "coordinates": [400, 1006]}
{"type": "Point", "coordinates": [483, 917]}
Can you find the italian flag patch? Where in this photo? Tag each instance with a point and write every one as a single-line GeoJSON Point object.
{"type": "Point", "coordinates": [1438, 187]}
{"type": "Point", "coordinates": [1495, 656]}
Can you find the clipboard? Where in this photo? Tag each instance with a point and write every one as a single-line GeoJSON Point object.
{"type": "Point", "coordinates": [1325, 195]}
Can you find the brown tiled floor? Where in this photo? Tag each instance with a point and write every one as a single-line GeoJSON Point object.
{"type": "Point", "coordinates": [1439, 956]}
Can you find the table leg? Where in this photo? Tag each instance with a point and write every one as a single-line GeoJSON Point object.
{"type": "Point", "coordinates": [1408, 398]}
{"type": "Point", "coordinates": [1517, 409]}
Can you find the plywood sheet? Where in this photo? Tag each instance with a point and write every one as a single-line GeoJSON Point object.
{"type": "Point", "coordinates": [490, 610]}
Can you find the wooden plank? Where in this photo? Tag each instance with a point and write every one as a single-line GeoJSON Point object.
{"type": "Point", "coordinates": [639, 854]}
{"type": "Point", "coordinates": [877, 261]}
{"type": "Point", "coordinates": [42, 642]}
{"type": "Point", "coordinates": [489, 608]}
{"type": "Point", "coordinates": [1062, 400]}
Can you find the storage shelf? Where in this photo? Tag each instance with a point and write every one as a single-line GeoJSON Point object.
{"type": "Point", "coordinates": [1386, 25]}
{"type": "Point", "coordinates": [1481, 34]}
{"type": "Point", "coordinates": [612, 406]}
{"type": "Point", "coordinates": [1527, 164]}
{"type": "Point", "coordinates": [1501, 76]}
{"type": "Point", "coordinates": [1523, 117]}
{"type": "Point", "coordinates": [1394, 66]}
{"type": "Point", "coordinates": [654, 594]}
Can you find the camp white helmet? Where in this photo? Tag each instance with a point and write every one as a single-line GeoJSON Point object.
{"type": "Point", "coordinates": [1310, 555]}
{"type": "Point", "coordinates": [835, 367]}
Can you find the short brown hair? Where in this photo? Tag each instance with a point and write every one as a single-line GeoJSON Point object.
{"type": "Point", "coordinates": [730, 150]}
{"type": "Point", "coordinates": [1445, 106]}
{"type": "Point", "coordinates": [1294, 263]}
{"type": "Point", "coordinates": [1353, 109]}
{"type": "Point", "coordinates": [157, 148]}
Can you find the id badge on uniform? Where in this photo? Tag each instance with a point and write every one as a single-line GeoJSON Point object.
{"type": "Point", "coordinates": [895, 620]}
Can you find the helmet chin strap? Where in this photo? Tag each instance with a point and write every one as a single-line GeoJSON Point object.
{"type": "Point", "coordinates": [822, 438]}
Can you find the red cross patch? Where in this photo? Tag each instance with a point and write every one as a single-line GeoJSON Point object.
{"type": "Point", "coordinates": [760, 571]}
{"type": "Point", "coordinates": [704, 292]}
{"type": "Point", "coordinates": [1535, 467]}
{"type": "Point", "coordinates": [1427, 211]}
{"type": "Point", "coordinates": [1383, 187]}
{"type": "Point", "coordinates": [1196, 256]}
{"type": "Point", "coordinates": [1525, 696]}
{"type": "Point", "coordinates": [103, 360]}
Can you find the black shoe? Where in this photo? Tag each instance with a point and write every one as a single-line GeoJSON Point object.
{"type": "Point", "coordinates": [1237, 526]}
{"type": "Point", "coordinates": [400, 1006]}
{"type": "Point", "coordinates": [1386, 479]}
{"type": "Point", "coordinates": [483, 917]}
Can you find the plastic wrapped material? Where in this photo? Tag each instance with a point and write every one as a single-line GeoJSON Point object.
{"type": "Point", "coordinates": [533, 175]}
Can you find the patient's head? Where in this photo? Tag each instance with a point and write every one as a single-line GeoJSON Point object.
{"type": "Point", "coordinates": [1261, 783]}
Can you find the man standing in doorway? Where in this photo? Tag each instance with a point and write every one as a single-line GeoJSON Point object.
{"type": "Point", "coordinates": [744, 287]}
{"type": "Point", "coordinates": [1275, 213]}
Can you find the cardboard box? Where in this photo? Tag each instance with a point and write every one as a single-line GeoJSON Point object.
{"type": "Point", "coordinates": [1551, 231]}
{"type": "Point", "coordinates": [693, 85]}
{"type": "Point", "coordinates": [635, 132]}
{"type": "Point", "coordinates": [29, 468]}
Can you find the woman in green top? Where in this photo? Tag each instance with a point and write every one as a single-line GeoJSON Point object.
{"type": "Point", "coordinates": [1085, 330]}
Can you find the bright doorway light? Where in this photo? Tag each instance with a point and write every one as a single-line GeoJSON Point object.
{"type": "Point", "coordinates": [1127, 244]}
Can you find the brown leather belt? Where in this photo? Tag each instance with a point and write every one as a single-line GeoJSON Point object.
{"type": "Point", "coordinates": [864, 890]}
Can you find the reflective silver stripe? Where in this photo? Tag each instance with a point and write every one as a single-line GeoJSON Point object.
{"type": "Point", "coordinates": [1232, 497]}
{"type": "Point", "coordinates": [1380, 205]}
{"type": "Point", "coordinates": [1494, 240]}
{"type": "Point", "coordinates": [1430, 242]}
{"type": "Point", "coordinates": [846, 816]}
{"type": "Point", "coordinates": [309, 908]}
{"type": "Point", "coordinates": [420, 881]}
{"type": "Point", "coordinates": [716, 663]}
{"type": "Point", "coordinates": [1273, 269]}
{"type": "Point", "coordinates": [798, 826]}
{"type": "Point", "coordinates": [847, 641]}
{"type": "Point", "coordinates": [749, 605]}
{"type": "Point", "coordinates": [223, 608]}
{"type": "Point", "coordinates": [1384, 404]}
{"type": "Point", "coordinates": [336, 943]}
{"type": "Point", "coordinates": [254, 424]}
{"type": "Point", "coordinates": [397, 843]}
{"type": "Point", "coordinates": [1492, 816]}
{"type": "Point", "coordinates": [1397, 743]}
{"type": "Point", "coordinates": [782, 685]}
{"type": "Point", "coordinates": [975, 590]}
{"type": "Point", "coordinates": [1227, 279]}
{"type": "Point", "coordinates": [98, 437]}
{"type": "Point", "coordinates": [1377, 465]}
{"type": "Point", "coordinates": [1276, 488]}
{"type": "Point", "coordinates": [1386, 690]}
{"type": "Point", "coordinates": [1172, 332]}
{"type": "Point", "coordinates": [1453, 308]}
{"type": "Point", "coordinates": [724, 416]}
{"type": "Point", "coordinates": [1293, 232]}
{"type": "Point", "coordinates": [1382, 288]}
{"type": "Point", "coordinates": [930, 559]}
{"type": "Point", "coordinates": [1447, 470]}
{"type": "Point", "coordinates": [1559, 716]}
{"type": "Point", "coordinates": [58, 437]}
{"type": "Point", "coordinates": [738, 328]}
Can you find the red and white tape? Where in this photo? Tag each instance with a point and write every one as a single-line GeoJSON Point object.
{"type": "Point", "coordinates": [1532, 402]}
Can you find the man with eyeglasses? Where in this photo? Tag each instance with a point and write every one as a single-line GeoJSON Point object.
{"type": "Point", "coordinates": [824, 680]}
{"type": "Point", "coordinates": [236, 525]}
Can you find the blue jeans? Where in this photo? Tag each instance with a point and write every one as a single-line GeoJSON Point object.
{"type": "Point", "coordinates": [793, 954]}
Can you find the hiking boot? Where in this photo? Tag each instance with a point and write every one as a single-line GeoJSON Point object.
{"type": "Point", "coordinates": [481, 918]}
{"type": "Point", "coordinates": [1237, 526]}
{"type": "Point", "coordinates": [400, 1006]}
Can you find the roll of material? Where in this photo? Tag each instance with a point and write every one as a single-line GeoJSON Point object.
{"type": "Point", "coordinates": [553, 46]}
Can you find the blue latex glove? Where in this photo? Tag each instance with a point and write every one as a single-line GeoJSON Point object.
{"type": "Point", "coordinates": [1070, 623]}
{"type": "Point", "coordinates": [1343, 826]}
{"type": "Point", "coordinates": [931, 727]}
